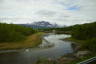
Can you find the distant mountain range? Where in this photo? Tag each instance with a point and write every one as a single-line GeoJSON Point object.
{"type": "Point", "coordinates": [41, 24]}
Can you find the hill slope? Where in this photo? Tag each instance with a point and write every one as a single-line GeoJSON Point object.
{"type": "Point", "coordinates": [12, 32]}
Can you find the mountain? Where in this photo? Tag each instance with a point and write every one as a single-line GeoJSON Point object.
{"type": "Point", "coordinates": [40, 24]}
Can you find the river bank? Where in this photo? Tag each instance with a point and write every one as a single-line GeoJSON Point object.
{"type": "Point", "coordinates": [79, 54]}
{"type": "Point", "coordinates": [30, 42]}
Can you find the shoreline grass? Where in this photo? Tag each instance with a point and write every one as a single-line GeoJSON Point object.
{"type": "Point", "coordinates": [76, 43]}
{"type": "Point", "coordinates": [80, 43]}
{"type": "Point", "coordinates": [30, 42]}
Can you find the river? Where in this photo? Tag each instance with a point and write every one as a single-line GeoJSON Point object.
{"type": "Point", "coordinates": [52, 47]}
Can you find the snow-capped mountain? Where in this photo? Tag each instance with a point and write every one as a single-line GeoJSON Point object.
{"type": "Point", "coordinates": [41, 24]}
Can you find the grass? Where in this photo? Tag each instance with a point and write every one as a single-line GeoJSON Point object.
{"type": "Point", "coordinates": [75, 40]}
{"type": "Point", "coordinates": [82, 59]}
{"type": "Point", "coordinates": [30, 41]}
{"type": "Point", "coordinates": [77, 43]}
{"type": "Point", "coordinates": [80, 43]}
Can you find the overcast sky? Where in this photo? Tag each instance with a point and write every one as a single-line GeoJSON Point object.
{"type": "Point", "coordinates": [63, 12]}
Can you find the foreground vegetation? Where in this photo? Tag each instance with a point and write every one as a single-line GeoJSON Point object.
{"type": "Point", "coordinates": [15, 36]}
{"type": "Point", "coordinates": [13, 33]}
{"type": "Point", "coordinates": [87, 33]}
{"type": "Point", "coordinates": [85, 36]}
{"type": "Point", "coordinates": [29, 42]}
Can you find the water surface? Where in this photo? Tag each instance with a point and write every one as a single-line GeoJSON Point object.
{"type": "Point", "coordinates": [52, 47]}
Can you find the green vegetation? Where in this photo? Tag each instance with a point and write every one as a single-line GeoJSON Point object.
{"type": "Point", "coordinates": [90, 44]}
{"type": "Point", "coordinates": [46, 61]}
{"type": "Point", "coordinates": [69, 28]}
{"type": "Point", "coordinates": [77, 60]}
{"type": "Point", "coordinates": [85, 36]}
{"type": "Point", "coordinates": [15, 36]}
{"type": "Point", "coordinates": [30, 41]}
{"type": "Point", "coordinates": [87, 33]}
{"type": "Point", "coordinates": [13, 33]}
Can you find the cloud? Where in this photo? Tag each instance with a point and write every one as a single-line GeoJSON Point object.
{"type": "Point", "coordinates": [56, 11]}
{"type": "Point", "coordinates": [46, 13]}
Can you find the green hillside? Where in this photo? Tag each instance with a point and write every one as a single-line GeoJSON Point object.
{"type": "Point", "coordinates": [13, 33]}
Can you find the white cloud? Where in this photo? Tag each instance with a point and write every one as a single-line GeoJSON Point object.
{"type": "Point", "coordinates": [56, 11]}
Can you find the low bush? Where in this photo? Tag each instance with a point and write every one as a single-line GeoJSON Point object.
{"type": "Point", "coordinates": [12, 32]}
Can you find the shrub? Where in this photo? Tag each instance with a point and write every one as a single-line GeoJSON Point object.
{"type": "Point", "coordinates": [12, 32]}
{"type": "Point", "coordinates": [90, 44]}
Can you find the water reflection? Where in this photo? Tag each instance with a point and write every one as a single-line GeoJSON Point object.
{"type": "Point", "coordinates": [28, 56]}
